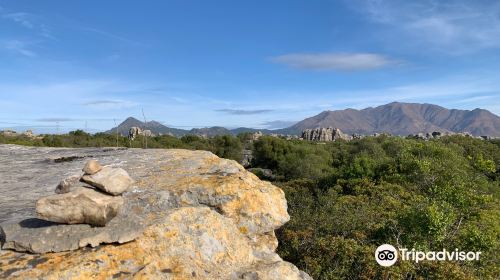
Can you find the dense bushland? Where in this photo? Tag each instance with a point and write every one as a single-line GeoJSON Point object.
{"type": "Point", "coordinates": [347, 198]}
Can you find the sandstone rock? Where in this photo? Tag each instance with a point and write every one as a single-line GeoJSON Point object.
{"type": "Point", "coordinates": [189, 242]}
{"type": "Point", "coordinates": [81, 206]}
{"type": "Point", "coordinates": [323, 134]}
{"type": "Point", "coordinates": [65, 185]}
{"type": "Point", "coordinates": [206, 218]}
{"type": "Point", "coordinates": [114, 181]}
{"type": "Point", "coordinates": [92, 167]}
{"type": "Point", "coordinates": [39, 236]}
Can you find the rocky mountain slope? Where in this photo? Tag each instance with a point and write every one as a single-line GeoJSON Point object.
{"type": "Point", "coordinates": [395, 118]}
{"type": "Point", "coordinates": [154, 126]}
{"type": "Point", "coordinates": [158, 128]}
{"type": "Point", "coordinates": [203, 217]}
{"type": "Point", "coordinates": [403, 119]}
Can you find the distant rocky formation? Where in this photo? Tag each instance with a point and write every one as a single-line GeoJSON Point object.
{"type": "Point", "coordinates": [323, 134]}
{"type": "Point", "coordinates": [256, 135]}
{"type": "Point", "coordinates": [136, 131]}
{"type": "Point", "coordinates": [438, 134]}
{"type": "Point", "coordinates": [11, 133]}
{"type": "Point", "coordinates": [198, 216]}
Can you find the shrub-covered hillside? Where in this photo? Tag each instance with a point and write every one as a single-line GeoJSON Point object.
{"type": "Point", "coordinates": [347, 198]}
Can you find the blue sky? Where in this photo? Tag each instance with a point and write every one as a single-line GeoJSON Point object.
{"type": "Point", "coordinates": [233, 63]}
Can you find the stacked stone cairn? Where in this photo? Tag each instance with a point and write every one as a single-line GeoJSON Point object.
{"type": "Point", "coordinates": [93, 198]}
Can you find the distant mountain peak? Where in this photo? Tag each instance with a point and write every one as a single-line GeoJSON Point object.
{"type": "Point", "coordinates": [402, 118]}
{"type": "Point", "coordinates": [156, 127]}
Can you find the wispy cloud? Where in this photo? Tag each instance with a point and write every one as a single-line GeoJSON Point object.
{"type": "Point", "coordinates": [102, 102]}
{"type": "Point", "coordinates": [29, 21]}
{"type": "Point", "coordinates": [55, 120]}
{"type": "Point", "coordinates": [452, 26]}
{"type": "Point", "coordinates": [18, 47]}
{"type": "Point", "coordinates": [278, 124]}
{"type": "Point", "coordinates": [477, 98]}
{"type": "Point", "coordinates": [109, 104]}
{"type": "Point", "coordinates": [21, 18]}
{"type": "Point", "coordinates": [243, 112]}
{"type": "Point", "coordinates": [334, 61]}
{"type": "Point", "coordinates": [110, 35]}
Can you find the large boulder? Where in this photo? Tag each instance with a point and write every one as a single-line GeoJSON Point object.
{"type": "Point", "coordinates": [205, 218]}
{"type": "Point", "coordinates": [114, 181]}
{"type": "Point", "coordinates": [80, 206]}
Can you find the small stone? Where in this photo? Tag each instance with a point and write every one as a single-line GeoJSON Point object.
{"type": "Point", "coordinates": [81, 206]}
{"type": "Point", "coordinates": [114, 181]}
{"type": "Point", "coordinates": [92, 167]}
{"type": "Point", "coordinates": [66, 184]}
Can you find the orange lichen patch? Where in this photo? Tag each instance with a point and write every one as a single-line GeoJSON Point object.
{"type": "Point", "coordinates": [170, 234]}
{"type": "Point", "coordinates": [101, 263]}
{"type": "Point", "coordinates": [243, 230]}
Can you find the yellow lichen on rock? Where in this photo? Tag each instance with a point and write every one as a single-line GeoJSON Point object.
{"type": "Point", "coordinates": [207, 218]}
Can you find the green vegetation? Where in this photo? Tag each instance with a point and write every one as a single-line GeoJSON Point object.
{"type": "Point", "coordinates": [347, 198]}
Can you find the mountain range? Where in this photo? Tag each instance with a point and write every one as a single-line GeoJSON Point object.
{"type": "Point", "coordinates": [396, 118]}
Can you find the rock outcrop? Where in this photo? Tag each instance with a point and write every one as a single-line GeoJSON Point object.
{"type": "Point", "coordinates": [136, 131]}
{"type": "Point", "coordinates": [203, 218]}
{"type": "Point", "coordinates": [323, 134]}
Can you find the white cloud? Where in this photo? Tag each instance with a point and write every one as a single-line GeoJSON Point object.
{"type": "Point", "coordinates": [453, 26]}
{"type": "Point", "coordinates": [102, 102]}
{"type": "Point", "coordinates": [109, 104]}
{"type": "Point", "coordinates": [334, 61]}
{"type": "Point", "coordinates": [243, 112]}
{"type": "Point", "coordinates": [18, 47]}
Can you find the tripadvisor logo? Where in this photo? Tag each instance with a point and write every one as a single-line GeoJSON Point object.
{"type": "Point", "coordinates": [387, 255]}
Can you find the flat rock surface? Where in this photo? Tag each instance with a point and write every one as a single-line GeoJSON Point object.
{"type": "Point", "coordinates": [204, 217]}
